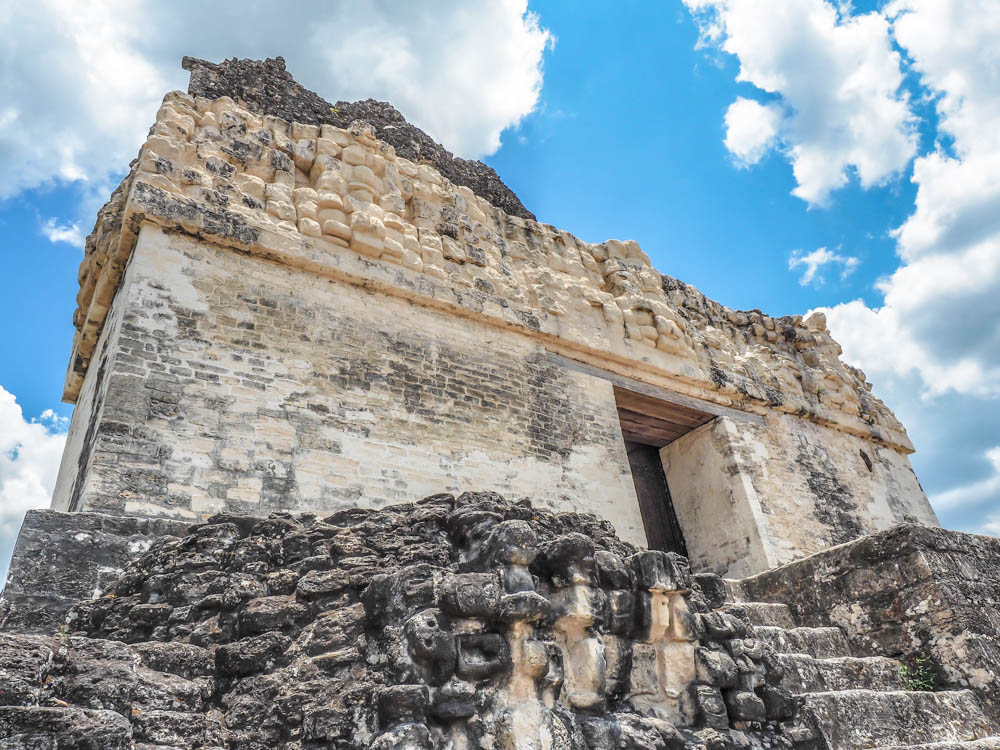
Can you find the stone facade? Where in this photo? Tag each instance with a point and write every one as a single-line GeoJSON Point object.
{"type": "Point", "coordinates": [783, 483]}
{"type": "Point", "coordinates": [911, 591]}
{"type": "Point", "coordinates": [295, 347]}
{"type": "Point", "coordinates": [239, 384]}
{"type": "Point", "coordinates": [289, 314]}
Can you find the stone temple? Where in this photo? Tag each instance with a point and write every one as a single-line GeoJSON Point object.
{"type": "Point", "coordinates": [364, 456]}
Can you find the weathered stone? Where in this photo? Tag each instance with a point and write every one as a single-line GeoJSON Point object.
{"type": "Point", "coordinates": [482, 656]}
{"type": "Point", "coordinates": [267, 88]}
{"type": "Point", "coordinates": [41, 587]}
{"type": "Point", "coordinates": [715, 667]}
{"type": "Point", "coordinates": [385, 667]}
{"type": "Point", "coordinates": [24, 662]}
{"type": "Point", "coordinates": [339, 235]}
{"type": "Point", "coordinates": [402, 704]}
{"type": "Point", "coordinates": [911, 590]}
{"type": "Point", "coordinates": [470, 595]}
{"type": "Point", "coordinates": [250, 655]}
{"type": "Point", "coordinates": [33, 728]}
{"type": "Point", "coordinates": [270, 613]}
{"type": "Point", "coordinates": [661, 571]}
{"type": "Point", "coordinates": [744, 705]}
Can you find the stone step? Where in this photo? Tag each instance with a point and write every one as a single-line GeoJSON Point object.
{"type": "Point", "coordinates": [807, 674]}
{"type": "Point", "coordinates": [763, 613]}
{"type": "Point", "coordinates": [989, 743]}
{"type": "Point", "coordinates": [863, 719]}
{"type": "Point", "coordinates": [822, 643]}
{"type": "Point", "coordinates": [734, 590]}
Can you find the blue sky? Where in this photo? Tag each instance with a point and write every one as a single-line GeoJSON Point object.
{"type": "Point", "coordinates": [615, 120]}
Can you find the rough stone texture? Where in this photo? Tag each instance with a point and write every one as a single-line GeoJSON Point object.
{"type": "Point", "coordinates": [266, 88]}
{"type": "Point", "coordinates": [232, 383]}
{"type": "Point", "coordinates": [300, 193]}
{"type": "Point", "coordinates": [908, 591]}
{"type": "Point", "coordinates": [787, 487]}
{"type": "Point", "coordinates": [62, 558]}
{"type": "Point", "coordinates": [324, 212]}
{"type": "Point", "coordinates": [459, 623]}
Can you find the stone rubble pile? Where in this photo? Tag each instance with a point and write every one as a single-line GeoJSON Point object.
{"type": "Point", "coordinates": [447, 623]}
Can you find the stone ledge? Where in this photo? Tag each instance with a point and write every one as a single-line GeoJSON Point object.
{"type": "Point", "coordinates": [908, 590]}
{"type": "Point", "coordinates": [64, 558]}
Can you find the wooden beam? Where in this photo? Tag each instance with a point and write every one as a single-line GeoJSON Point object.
{"type": "Point", "coordinates": [679, 415]}
{"type": "Point", "coordinates": [657, 421]}
{"type": "Point", "coordinates": [662, 394]}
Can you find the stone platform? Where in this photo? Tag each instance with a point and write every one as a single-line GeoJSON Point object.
{"type": "Point", "coordinates": [472, 622]}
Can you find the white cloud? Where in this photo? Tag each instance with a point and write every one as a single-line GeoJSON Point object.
{"type": "Point", "coordinates": [814, 262]}
{"type": "Point", "coordinates": [838, 78]}
{"type": "Point", "coordinates": [68, 233]}
{"type": "Point", "coordinates": [751, 129]}
{"type": "Point", "coordinates": [932, 345]}
{"type": "Point", "coordinates": [82, 81]}
{"type": "Point", "coordinates": [30, 451]}
{"type": "Point", "coordinates": [940, 317]}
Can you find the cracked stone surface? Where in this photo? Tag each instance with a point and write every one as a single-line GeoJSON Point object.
{"type": "Point", "coordinates": [451, 622]}
{"type": "Point", "coordinates": [268, 89]}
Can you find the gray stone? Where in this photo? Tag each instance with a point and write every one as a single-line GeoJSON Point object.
{"type": "Point", "coordinates": [41, 587]}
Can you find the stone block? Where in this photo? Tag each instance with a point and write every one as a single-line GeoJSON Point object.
{"type": "Point", "coordinates": [41, 587]}
{"type": "Point", "coordinates": [661, 571]}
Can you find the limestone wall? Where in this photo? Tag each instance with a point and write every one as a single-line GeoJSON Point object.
{"type": "Point", "coordinates": [240, 384]}
{"type": "Point", "coordinates": [751, 497]}
{"type": "Point", "coordinates": [339, 203]}
{"type": "Point", "coordinates": [380, 334]}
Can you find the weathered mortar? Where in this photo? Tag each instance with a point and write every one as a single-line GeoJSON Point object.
{"type": "Point", "coordinates": [404, 298]}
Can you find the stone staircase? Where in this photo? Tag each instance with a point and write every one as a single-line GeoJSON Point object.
{"type": "Point", "coordinates": [849, 702]}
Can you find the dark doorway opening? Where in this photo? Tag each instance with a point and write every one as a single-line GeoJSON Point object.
{"type": "Point", "coordinates": [649, 423]}
{"type": "Point", "coordinates": [663, 532]}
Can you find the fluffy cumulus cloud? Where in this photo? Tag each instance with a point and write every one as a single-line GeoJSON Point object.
{"type": "Point", "coordinates": [30, 450]}
{"type": "Point", "coordinates": [839, 108]}
{"type": "Point", "coordinates": [71, 234]}
{"type": "Point", "coordinates": [814, 263]}
{"type": "Point", "coordinates": [751, 130]}
{"type": "Point", "coordinates": [941, 311]}
{"type": "Point", "coordinates": [939, 323]}
{"type": "Point", "coordinates": [462, 71]}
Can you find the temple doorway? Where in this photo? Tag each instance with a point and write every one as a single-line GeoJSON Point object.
{"type": "Point", "coordinates": [648, 424]}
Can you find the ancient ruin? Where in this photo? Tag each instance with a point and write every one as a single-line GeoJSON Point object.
{"type": "Point", "coordinates": [364, 456]}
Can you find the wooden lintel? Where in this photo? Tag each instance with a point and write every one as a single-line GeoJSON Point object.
{"type": "Point", "coordinates": [654, 391]}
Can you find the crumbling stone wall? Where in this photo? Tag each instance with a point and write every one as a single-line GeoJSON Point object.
{"type": "Point", "coordinates": [266, 87]}
{"type": "Point", "coordinates": [61, 559]}
{"type": "Point", "coordinates": [907, 592]}
{"type": "Point", "coordinates": [467, 622]}
{"type": "Point", "coordinates": [336, 208]}
{"type": "Point", "coordinates": [242, 385]}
